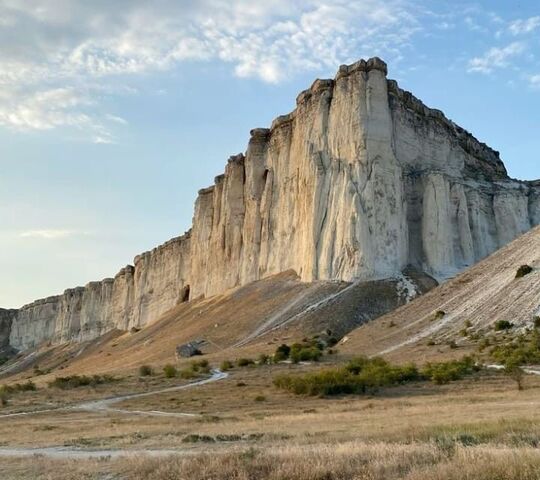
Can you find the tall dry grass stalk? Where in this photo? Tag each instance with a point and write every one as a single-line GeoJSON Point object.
{"type": "Point", "coordinates": [349, 461]}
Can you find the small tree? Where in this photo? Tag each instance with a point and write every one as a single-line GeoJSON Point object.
{"type": "Point", "coordinates": [170, 371]}
{"type": "Point", "coordinates": [282, 353]}
{"type": "Point", "coordinates": [513, 369]}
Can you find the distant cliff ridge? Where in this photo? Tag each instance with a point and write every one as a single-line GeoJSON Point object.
{"type": "Point", "coordinates": [359, 181]}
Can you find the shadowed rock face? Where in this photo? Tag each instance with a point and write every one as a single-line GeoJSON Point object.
{"type": "Point", "coordinates": [6, 317]}
{"type": "Point", "coordinates": [359, 181]}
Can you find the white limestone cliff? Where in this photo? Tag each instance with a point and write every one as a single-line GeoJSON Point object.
{"type": "Point", "coordinates": [358, 182]}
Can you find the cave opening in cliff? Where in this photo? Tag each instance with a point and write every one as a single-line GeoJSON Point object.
{"type": "Point", "coordinates": [185, 294]}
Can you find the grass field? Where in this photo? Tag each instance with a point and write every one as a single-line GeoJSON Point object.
{"type": "Point", "coordinates": [481, 427]}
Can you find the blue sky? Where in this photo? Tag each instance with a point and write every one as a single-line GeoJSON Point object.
{"type": "Point", "coordinates": [114, 114]}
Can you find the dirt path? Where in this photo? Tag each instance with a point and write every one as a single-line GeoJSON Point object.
{"type": "Point", "coordinates": [105, 405]}
{"type": "Point", "coordinates": [64, 453]}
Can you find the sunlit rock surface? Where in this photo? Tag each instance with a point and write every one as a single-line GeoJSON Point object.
{"type": "Point", "coordinates": [358, 182]}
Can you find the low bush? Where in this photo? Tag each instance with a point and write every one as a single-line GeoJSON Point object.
{"type": "Point", "coordinates": [260, 398]}
{"type": "Point", "coordinates": [28, 386]}
{"type": "Point", "coordinates": [303, 353]}
{"type": "Point", "coordinates": [201, 366]}
{"type": "Point", "coordinates": [282, 353]}
{"type": "Point", "coordinates": [244, 362]}
{"type": "Point", "coordinates": [367, 375]}
{"type": "Point", "coordinates": [170, 371]}
{"type": "Point", "coordinates": [439, 314]}
{"type": "Point", "coordinates": [501, 325]}
{"type": "Point", "coordinates": [445, 372]}
{"type": "Point", "coordinates": [523, 350]}
{"type": "Point", "coordinates": [188, 373]}
{"type": "Point", "coordinates": [3, 360]}
{"type": "Point", "coordinates": [523, 270]}
{"type": "Point", "coordinates": [360, 375]}
{"type": "Point", "coordinates": [146, 371]}
{"type": "Point", "coordinates": [226, 365]}
{"type": "Point", "coordinates": [76, 381]}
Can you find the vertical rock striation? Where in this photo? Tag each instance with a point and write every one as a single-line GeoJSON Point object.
{"type": "Point", "coordinates": [358, 182]}
{"type": "Point", "coordinates": [135, 296]}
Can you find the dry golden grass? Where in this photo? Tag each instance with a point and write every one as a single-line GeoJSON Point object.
{"type": "Point", "coordinates": [330, 461]}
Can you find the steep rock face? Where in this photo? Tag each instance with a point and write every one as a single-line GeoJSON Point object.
{"type": "Point", "coordinates": [358, 182]}
{"type": "Point", "coordinates": [133, 298]}
{"type": "Point", "coordinates": [6, 318]}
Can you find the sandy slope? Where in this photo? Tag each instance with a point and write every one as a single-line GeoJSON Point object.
{"type": "Point", "coordinates": [482, 295]}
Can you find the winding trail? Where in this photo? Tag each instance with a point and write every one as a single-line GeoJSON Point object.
{"type": "Point", "coordinates": [105, 404]}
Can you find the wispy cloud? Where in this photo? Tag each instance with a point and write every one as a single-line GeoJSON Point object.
{"type": "Point", "coordinates": [528, 25]}
{"type": "Point", "coordinates": [496, 58]}
{"type": "Point", "coordinates": [51, 75]}
{"type": "Point", "coordinates": [51, 234]}
{"type": "Point", "coordinates": [534, 81]}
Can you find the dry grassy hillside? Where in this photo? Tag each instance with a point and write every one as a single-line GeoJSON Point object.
{"type": "Point", "coordinates": [451, 318]}
{"type": "Point", "coordinates": [246, 321]}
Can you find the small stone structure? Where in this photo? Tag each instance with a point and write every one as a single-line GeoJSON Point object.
{"type": "Point", "coordinates": [188, 350]}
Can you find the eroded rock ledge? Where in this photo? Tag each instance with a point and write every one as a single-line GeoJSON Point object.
{"type": "Point", "coordinates": [359, 181]}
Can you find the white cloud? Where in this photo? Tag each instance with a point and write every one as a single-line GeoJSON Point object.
{"type": "Point", "coordinates": [51, 75]}
{"type": "Point", "coordinates": [496, 58]}
{"type": "Point", "coordinates": [50, 234]}
{"type": "Point", "coordinates": [520, 27]}
{"type": "Point", "coordinates": [534, 81]}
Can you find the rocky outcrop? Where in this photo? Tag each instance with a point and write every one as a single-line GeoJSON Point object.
{"type": "Point", "coordinates": [135, 296]}
{"type": "Point", "coordinates": [360, 181]}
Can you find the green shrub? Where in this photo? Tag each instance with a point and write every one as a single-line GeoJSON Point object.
{"type": "Point", "coordinates": [360, 375]}
{"type": "Point", "coordinates": [3, 360]}
{"type": "Point", "coordinates": [244, 362]}
{"type": "Point", "coordinates": [439, 314]}
{"type": "Point", "coordinates": [445, 372]}
{"type": "Point", "coordinates": [536, 322]}
{"type": "Point", "coordinates": [170, 371]}
{"type": "Point", "coordinates": [76, 381]}
{"type": "Point", "coordinates": [201, 366]}
{"type": "Point", "coordinates": [260, 398]}
{"type": "Point", "coordinates": [187, 373]}
{"type": "Point", "coordinates": [146, 371]}
{"type": "Point", "coordinates": [523, 270]}
{"type": "Point", "coordinates": [302, 353]}
{"type": "Point", "coordinates": [452, 344]}
{"type": "Point", "coordinates": [28, 386]}
{"type": "Point", "coordinates": [501, 325]}
{"type": "Point", "coordinates": [226, 365]}
{"type": "Point", "coordinates": [522, 350]}
{"type": "Point", "coordinates": [282, 353]}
